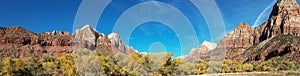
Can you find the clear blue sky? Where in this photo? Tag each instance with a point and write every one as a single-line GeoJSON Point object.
{"type": "Point", "coordinates": [48, 15]}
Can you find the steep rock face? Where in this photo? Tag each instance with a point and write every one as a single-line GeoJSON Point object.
{"type": "Point", "coordinates": [240, 37]}
{"type": "Point", "coordinates": [117, 43]}
{"type": "Point", "coordinates": [50, 39]}
{"type": "Point", "coordinates": [284, 19]}
{"type": "Point", "coordinates": [115, 40]}
{"type": "Point", "coordinates": [87, 33]}
{"type": "Point", "coordinates": [236, 41]}
{"type": "Point", "coordinates": [104, 46]}
{"type": "Point", "coordinates": [248, 44]}
{"type": "Point", "coordinates": [18, 42]}
{"type": "Point", "coordinates": [16, 35]}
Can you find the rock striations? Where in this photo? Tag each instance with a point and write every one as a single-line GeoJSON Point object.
{"type": "Point", "coordinates": [284, 19]}
{"type": "Point", "coordinates": [277, 38]}
{"type": "Point", "coordinates": [18, 42]}
{"type": "Point", "coordinates": [118, 43]}
{"type": "Point", "coordinates": [87, 33]}
{"type": "Point", "coordinates": [240, 37]}
{"type": "Point", "coordinates": [255, 44]}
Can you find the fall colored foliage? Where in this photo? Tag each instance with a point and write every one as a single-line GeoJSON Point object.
{"type": "Point", "coordinates": [86, 62]}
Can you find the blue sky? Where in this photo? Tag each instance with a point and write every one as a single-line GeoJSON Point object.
{"type": "Point", "coordinates": [48, 15]}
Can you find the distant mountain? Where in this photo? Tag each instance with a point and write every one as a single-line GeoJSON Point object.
{"type": "Point", "coordinates": [200, 52]}
{"type": "Point", "coordinates": [19, 42]}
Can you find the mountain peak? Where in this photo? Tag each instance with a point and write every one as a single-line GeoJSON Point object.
{"type": "Point", "coordinates": [200, 52]}
{"type": "Point", "coordinates": [284, 19]}
{"type": "Point", "coordinates": [286, 1]}
{"type": "Point", "coordinates": [209, 45]}
{"type": "Point", "coordinates": [87, 27]}
{"type": "Point", "coordinates": [241, 36]}
{"type": "Point", "coordinates": [284, 7]}
{"type": "Point", "coordinates": [241, 30]}
{"type": "Point", "coordinates": [113, 35]}
{"type": "Point", "coordinates": [87, 33]}
{"type": "Point", "coordinates": [117, 42]}
{"type": "Point", "coordinates": [242, 25]}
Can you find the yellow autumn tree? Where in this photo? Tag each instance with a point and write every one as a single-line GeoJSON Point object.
{"type": "Point", "coordinates": [67, 65]}
{"type": "Point", "coordinates": [8, 66]}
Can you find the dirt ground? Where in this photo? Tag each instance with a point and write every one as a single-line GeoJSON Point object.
{"type": "Point", "coordinates": [279, 73]}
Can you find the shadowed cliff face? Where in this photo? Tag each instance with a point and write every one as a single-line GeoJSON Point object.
{"type": "Point", "coordinates": [284, 20]}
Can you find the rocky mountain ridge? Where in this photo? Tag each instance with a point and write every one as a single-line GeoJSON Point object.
{"type": "Point", "coordinates": [18, 42]}
{"type": "Point", "coordinates": [277, 38]}
{"type": "Point", "coordinates": [283, 20]}
{"type": "Point", "coordinates": [200, 52]}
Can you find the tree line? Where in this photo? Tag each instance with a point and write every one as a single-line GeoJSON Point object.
{"type": "Point", "coordinates": [86, 62]}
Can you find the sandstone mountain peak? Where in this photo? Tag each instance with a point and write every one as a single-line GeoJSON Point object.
{"type": "Point", "coordinates": [87, 26]}
{"type": "Point", "coordinates": [240, 30]}
{"type": "Point", "coordinates": [118, 43]}
{"type": "Point", "coordinates": [242, 25]}
{"type": "Point", "coordinates": [209, 45]}
{"type": "Point", "coordinates": [199, 52]}
{"type": "Point", "coordinates": [286, 1]}
{"type": "Point", "coordinates": [283, 7]}
{"type": "Point", "coordinates": [239, 37]}
{"type": "Point", "coordinates": [16, 27]}
{"type": "Point", "coordinates": [87, 33]}
{"type": "Point", "coordinates": [98, 39]}
{"type": "Point", "coordinates": [113, 35]}
{"type": "Point", "coordinates": [19, 42]}
{"type": "Point", "coordinates": [283, 20]}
